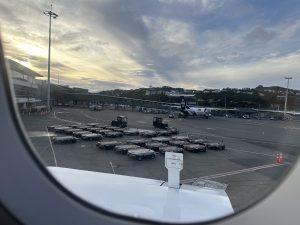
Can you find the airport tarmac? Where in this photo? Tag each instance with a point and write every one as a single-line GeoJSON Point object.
{"type": "Point", "coordinates": [247, 165]}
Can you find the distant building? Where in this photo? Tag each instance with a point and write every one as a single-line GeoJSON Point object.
{"type": "Point", "coordinates": [211, 91]}
{"type": "Point", "coordinates": [155, 91]}
{"type": "Point", "coordinates": [24, 82]}
{"type": "Point", "coordinates": [188, 93]}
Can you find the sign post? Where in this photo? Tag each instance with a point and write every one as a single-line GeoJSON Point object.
{"type": "Point", "coordinates": [174, 164]}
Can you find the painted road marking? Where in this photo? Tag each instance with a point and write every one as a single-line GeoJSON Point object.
{"type": "Point", "coordinates": [51, 146]}
{"type": "Point", "coordinates": [69, 121]}
{"type": "Point", "coordinates": [230, 173]}
{"type": "Point", "coordinates": [112, 167]}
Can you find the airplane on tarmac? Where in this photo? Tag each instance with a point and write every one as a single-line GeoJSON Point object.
{"type": "Point", "coordinates": [198, 111]}
{"type": "Point", "coordinates": [185, 110]}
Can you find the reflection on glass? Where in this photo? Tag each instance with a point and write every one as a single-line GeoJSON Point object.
{"type": "Point", "coordinates": [174, 111]}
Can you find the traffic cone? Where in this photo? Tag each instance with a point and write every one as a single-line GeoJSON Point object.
{"type": "Point", "coordinates": [281, 159]}
{"type": "Point", "coordinates": [277, 158]}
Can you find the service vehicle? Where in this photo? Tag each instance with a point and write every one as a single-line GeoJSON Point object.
{"type": "Point", "coordinates": [198, 141]}
{"type": "Point", "coordinates": [139, 142]}
{"type": "Point", "coordinates": [215, 145]}
{"type": "Point", "coordinates": [83, 127]}
{"type": "Point", "coordinates": [107, 145]}
{"type": "Point", "coordinates": [155, 145]}
{"type": "Point", "coordinates": [79, 133]}
{"type": "Point", "coordinates": [110, 128]}
{"type": "Point", "coordinates": [158, 123]}
{"type": "Point", "coordinates": [194, 148]}
{"type": "Point", "coordinates": [117, 129]}
{"type": "Point", "coordinates": [163, 150]}
{"type": "Point", "coordinates": [64, 140]}
{"type": "Point", "coordinates": [173, 130]}
{"type": "Point", "coordinates": [91, 137]}
{"type": "Point", "coordinates": [148, 133]}
{"type": "Point", "coordinates": [94, 129]}
{"type": "Point", "coordinates": [61, 129]}
{"type": "Point", "coordinates": [125, 148]}
{"type": "Point", "coordinates": [52, 127]}
{"type": "Point", "coordinates": [71, 130]}
{"type": "Point", "coordinates": [102, 126]}
{"type": "Point", "coordinates": [121, 121]}
{"type": "Point", "coordinates": [171, 116]}
{"type": "Point", "coordinates": [164, 133]}
{"type": "Point", "coordinates": [92, 124]}
{"type": "Point", "coordinates": [96, 107]}
{"type": "Point", "coordinates": [113, 134]}
{"type": "Point", "coordinates": [178, 143]}
{"type": "Point", "coordinates": [181, 138]}
{"type": "Point", "coordinates": [164, 140]}
{"type": "Point", "coordinates": [131, 132]}
{"type": "Point", "coordinates": [103, 131]}
{"type": "Point", "coordinates": [141, 153]}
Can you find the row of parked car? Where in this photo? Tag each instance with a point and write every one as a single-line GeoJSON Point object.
{"type": "Point", "coordinates": [150, 143]}
{"type": "Point", "coordinates": [149, 147]}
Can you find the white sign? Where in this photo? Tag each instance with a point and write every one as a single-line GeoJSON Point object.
{"type": "Point", "coordinates": [174, 160]}
{"type": "Point", "coordinates": [174, 163]}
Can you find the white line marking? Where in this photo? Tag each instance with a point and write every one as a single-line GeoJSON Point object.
{"type": "Point", "coordinates": [69, 121]}
{"type": "Point", "coordinates": [51, 146]}
{"type": "Point", "coordinates": [230, 173]}
{"type": "Point", "coordinates": [112, 167]}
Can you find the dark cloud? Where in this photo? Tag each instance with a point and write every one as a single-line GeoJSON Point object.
{"type": "Point", "coordinates": [8, 15]}
{"type": "Point", "coordinates": [260, 34]}
{"type": "Point", "coordinates": [99, 85]}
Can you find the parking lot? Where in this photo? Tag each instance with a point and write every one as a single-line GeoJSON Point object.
{"type": "Point", "coordinates": [247, 165]}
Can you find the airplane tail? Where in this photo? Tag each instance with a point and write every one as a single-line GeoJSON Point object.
{"type": "Point", "coordinates": [183, 103]}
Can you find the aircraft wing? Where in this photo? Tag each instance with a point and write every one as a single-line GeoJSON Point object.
{"type": "Point", "coordinates": [145, 198]}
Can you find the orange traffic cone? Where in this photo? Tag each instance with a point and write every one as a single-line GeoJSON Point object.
{"type": "Point", "coordinates": [281, 159]}
{"type": "Point", "coordinates": [277, 158]}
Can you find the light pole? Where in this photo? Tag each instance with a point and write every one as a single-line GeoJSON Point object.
{"type": "Point", "coordinates": [54, 16]}
{"type": "Point", "coordinates": [287, 93]}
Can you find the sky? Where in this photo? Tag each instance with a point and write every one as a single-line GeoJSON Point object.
{"type": "Point", "coordinates": [194, 44]}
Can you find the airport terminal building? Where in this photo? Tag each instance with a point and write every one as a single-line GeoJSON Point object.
{"type": "Point", "coordinates": [25, 86]}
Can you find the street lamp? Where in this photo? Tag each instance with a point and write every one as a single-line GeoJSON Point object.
{"type": "Point", "coordinates": [287, 93]}
{"type": "Point", "coordinates": [54, 16]}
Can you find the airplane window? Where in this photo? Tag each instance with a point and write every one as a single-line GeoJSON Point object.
{"type": "Point", "coordinates": [172, 111]}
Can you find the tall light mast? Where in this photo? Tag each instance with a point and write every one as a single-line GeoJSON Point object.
{"type": "Point", "coordinates": [54, 16]}
{"type": "Point", "coordinates": [287, 93]}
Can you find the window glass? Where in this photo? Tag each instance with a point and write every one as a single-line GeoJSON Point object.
{"type": "Point", "coordinates": [150, 109]}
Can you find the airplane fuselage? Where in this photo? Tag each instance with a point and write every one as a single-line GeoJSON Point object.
{"type": "Point", "coordinates": [193, 111]}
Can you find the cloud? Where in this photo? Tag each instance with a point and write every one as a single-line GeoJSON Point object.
{"type": "Point", "coordinates": [260, 34]}
{"type": "Point", "coordinates": [133, 43]}
{"type": "Point", "coordinates": [101, 85]}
